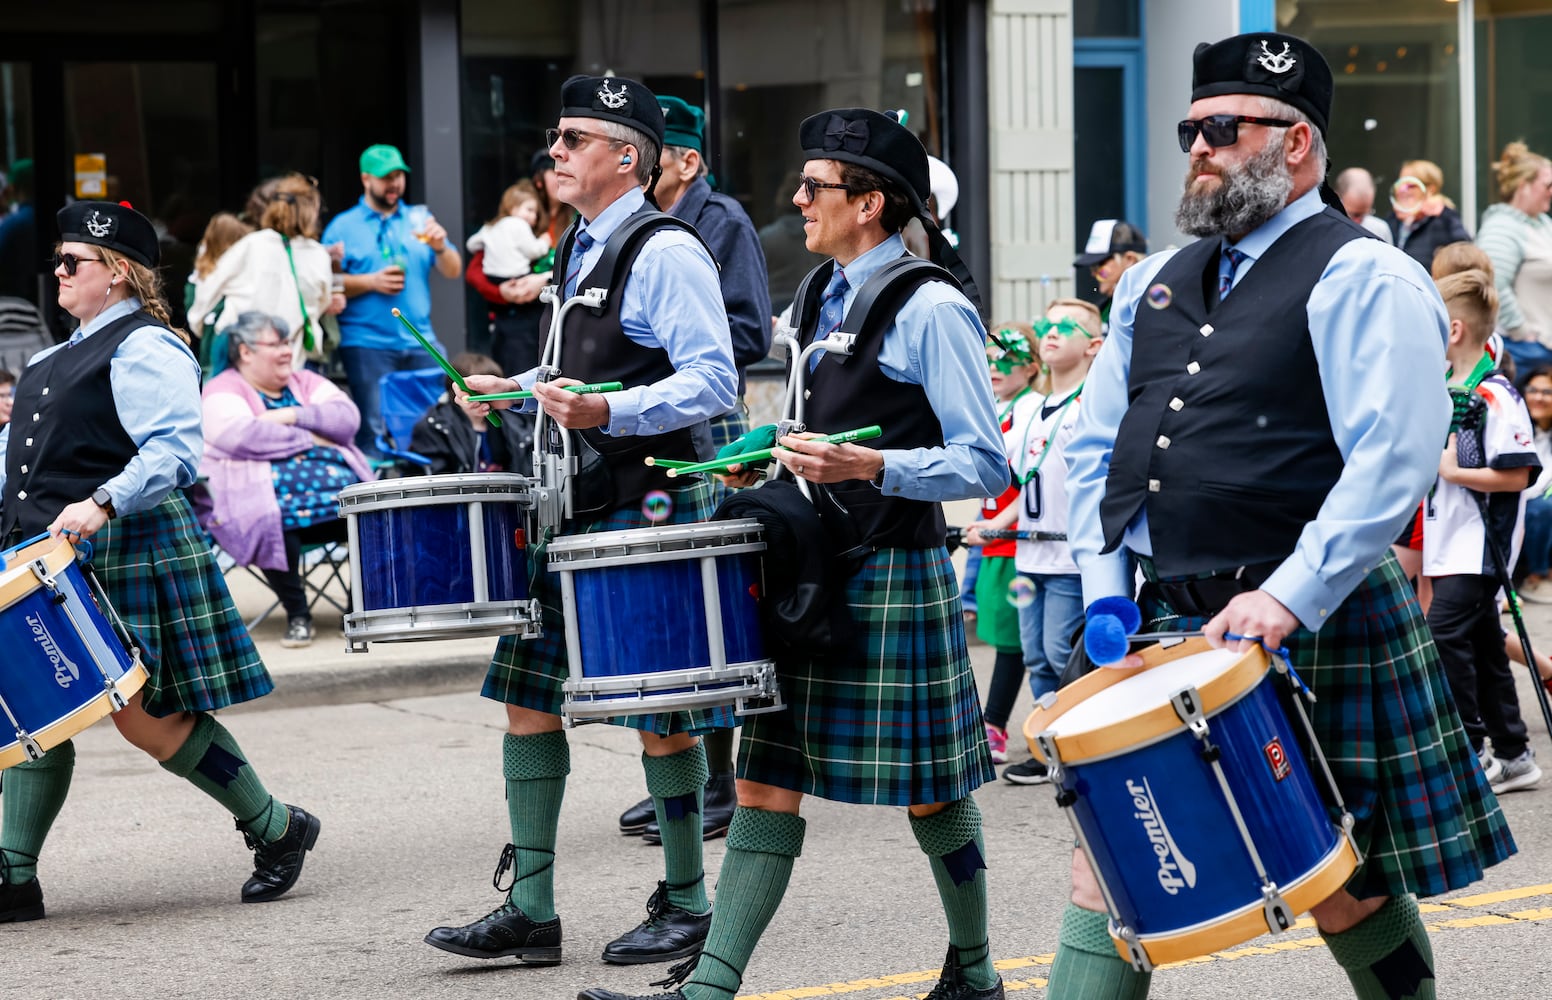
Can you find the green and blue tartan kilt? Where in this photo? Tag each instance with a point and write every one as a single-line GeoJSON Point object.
{"type": "Point", "coordinates": [158, 571]}
{"type": "Point", "coordinates": [899, 724]}
{"type": "Point", "coordinates": [530, 673]}
{"type": "Point", "coordinates": [1427, 822]}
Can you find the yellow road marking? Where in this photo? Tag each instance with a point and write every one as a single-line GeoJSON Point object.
{"type": "Point", "coordinates": [1272, 947]}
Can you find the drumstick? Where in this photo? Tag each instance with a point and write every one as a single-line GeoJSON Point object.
{"type": "Point", "coordinates": [452, 372]}
{"type": "Point", "coordinates": [528, 393]}
{"type": "Point", "coordinates": [721, 464]}
{"type": "Point", "coordinates": [667, 463]}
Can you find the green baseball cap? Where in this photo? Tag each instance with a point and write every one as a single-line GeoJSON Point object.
{"type": "Point", "coordinates": [382, 160]}
{"type": "Point", "coordinates": [684, 124]}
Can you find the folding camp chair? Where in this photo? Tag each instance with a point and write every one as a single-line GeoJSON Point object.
{"type": "Point", "coordinates": [403, 398]}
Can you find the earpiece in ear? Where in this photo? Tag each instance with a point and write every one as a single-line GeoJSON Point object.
{"type": "Point", "coordinates": [625, 160]}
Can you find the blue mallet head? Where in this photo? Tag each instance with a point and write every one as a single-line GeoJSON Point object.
{"type": "Point", "coordinates": [1110, 621]}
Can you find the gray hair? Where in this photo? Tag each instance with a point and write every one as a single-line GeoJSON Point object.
{"type": "Point", "coordinates": [1271, 107]}
{"type": "Point", "coordinates": [647, 151]}
{"type": "Point", "coordinates": [247, 329]}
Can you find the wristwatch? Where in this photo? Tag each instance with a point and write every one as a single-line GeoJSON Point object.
{"type": "Point", "coordinates": [104, 499]}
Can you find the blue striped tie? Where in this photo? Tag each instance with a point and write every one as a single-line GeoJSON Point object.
{"type": "Point", "coordinates": [584, 243]}
{"type": "Point", "coordinates": [1227, 265]}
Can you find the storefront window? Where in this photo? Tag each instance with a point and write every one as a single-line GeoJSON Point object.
{"type": "Point", "coordinates": [1512, 42]}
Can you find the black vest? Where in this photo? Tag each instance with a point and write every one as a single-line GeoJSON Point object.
{"type": "Point", "coordinates": [1226, 436]}
{"type": "Point", "coordinates": [594, 348]}
{"type": "Point", "coordinates": [846, 392]}
{"type": "Point", "coordinates": [66, 438]}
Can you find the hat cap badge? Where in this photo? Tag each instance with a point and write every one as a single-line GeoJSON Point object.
{"type": "Point", "coordinates": [1276, 62]}
{"type": "Point", "coordinates": [611, 100]}
{"type": "Point", "coordinates": [98, 225]}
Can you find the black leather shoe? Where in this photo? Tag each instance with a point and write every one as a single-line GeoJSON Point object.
{"type": "Point", "coordinates": [717, 812]}
{"type": "Point", "coordinates": [276, 866]}
{"type": "Point", "coordinates": [505, 932]}
{"type": "Point", "coordinates": [635, 819]}
{"type": "Point", "coordinates": [599, 993]}
{"type": "Point", "coordinates": [21, 901]}
{"type": "Point", "coordinates": [952, 985]}
{"type": "Point", "coordinates": [669, 932]}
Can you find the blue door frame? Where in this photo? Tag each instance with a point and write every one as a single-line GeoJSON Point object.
{"type": "Point", "coordinates": [1125, 54]}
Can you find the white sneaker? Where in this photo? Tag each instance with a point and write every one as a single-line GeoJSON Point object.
{"type": "Point", "coordinates": [1491, 766]}
{"type": "Point", "coordinates": [1539, 592]}
{"type": "Point", "coordinates": [1521, 772]}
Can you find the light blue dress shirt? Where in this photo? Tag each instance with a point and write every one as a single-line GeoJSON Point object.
{"type": "Point", "coordinates": [937, 342]}
{"type": "Point", "coordinates": [372, 242]}
{"type": "Point", "coordinates": [155, 379]}
{"type": "Point", "coordinates": [672, 301]}
{"type": "Point", "coordinates": [1379, 329]}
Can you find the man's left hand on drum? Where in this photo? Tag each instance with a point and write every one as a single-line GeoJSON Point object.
{"type": "Point", "coordinates": [572, 410]}
{"type": "Point", "coordinates": [482, 385]}
{"type": "Point", "coordinates": [80, 520]}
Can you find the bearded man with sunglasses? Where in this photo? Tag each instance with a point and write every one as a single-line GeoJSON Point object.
{"type": "Point", "coordinates": [1264, 416]}
{"type": "Point", "coordinates": [660, 330]}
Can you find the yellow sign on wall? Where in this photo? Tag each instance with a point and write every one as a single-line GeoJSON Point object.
{"type": "Point", "coordinates": [91, 175]}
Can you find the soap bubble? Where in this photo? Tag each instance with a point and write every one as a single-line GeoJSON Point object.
{"type": "Point", "coordinates": [657, 506]}
{"type": "Point", "coordinates": [1021, 592]}
{"type": "Point", "coordinates": [1159, 296]}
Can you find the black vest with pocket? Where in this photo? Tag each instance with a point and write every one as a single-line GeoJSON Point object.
{"type": "Point", "coordinates": [1226, 437]}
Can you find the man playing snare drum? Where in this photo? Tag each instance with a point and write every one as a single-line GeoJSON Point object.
{"type": "Point", "coordinates": [662, 332]}
{"type": "Point", "coordinates": [1261, 421]}
{"type": "Point", "coordinates": [893, 720]}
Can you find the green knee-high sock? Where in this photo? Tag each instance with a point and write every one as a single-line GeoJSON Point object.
{"type": "Point", "coordinates": [1387, 955]}
{"type": "Point", "coordinates": [211, 761]}
{"type": "Point", "coordinates": [535, 767]}
{"type": "Point", "coordinates": [1087, 965]}
{"type": "Point", "coordinates": [30, 798]}
{"type": "Point", "coordinates": [677, 784]}
{"type": "Point", "coordinates": [761, 847]}
{"type": "Point", "coordinates": [951, 839]}
{"type": "Point", "coordinates": [719, 750]}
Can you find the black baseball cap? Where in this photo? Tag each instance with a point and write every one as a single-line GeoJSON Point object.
{"type": "Point", "coordinates": [1108, 237]}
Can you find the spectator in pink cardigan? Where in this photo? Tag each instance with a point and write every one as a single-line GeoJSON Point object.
{"type": "Point", "coordinates": [278, 449]}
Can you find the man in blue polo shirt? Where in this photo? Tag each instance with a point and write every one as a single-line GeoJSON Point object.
{"type": "Point", "coordinates": [390, 249]}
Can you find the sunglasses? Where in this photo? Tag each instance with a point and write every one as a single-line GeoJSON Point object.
{"type": "Point", "coordinates": [71, 262]}
{"type": "Point", "coordinates": [1220, 130]}
{"type": "Point", "coordinates": [572, 137]}
{"type": "Point", "coordinates": [1066, 326]}
{"type": "Point", "coordinates": [809, 186]}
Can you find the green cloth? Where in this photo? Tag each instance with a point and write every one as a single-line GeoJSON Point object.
{"type": "Point", "coordinates": [755, 439]}
{"type": "Point", "coordinates": [1087, 965]}
{"type": "Point", "coordinates": [211, 761]}
{"type": "Point", "coordinates": [949, 833]}
{"type": "Point", "coordinates": [535, 768]}
{"type": "Point", "coordinates": [680, 776]}
{"type": "Point", "coordinates": [1387, 955]}
{"type": "Point", "coordinates": [996, 617]}
{"type": "Point", "coordinates": [31, 795]}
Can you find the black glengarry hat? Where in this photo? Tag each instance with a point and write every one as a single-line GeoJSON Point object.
{"type": "Point", "coordinates": [613, 99]}
{"type": "Point", "coordinates": [111, 224]}
{"type": "Point", "coordinates": [1268, 64]}
{"type": "Point", "coordinates": [873, 140]}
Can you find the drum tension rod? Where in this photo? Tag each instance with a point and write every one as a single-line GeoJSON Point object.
{"type": "Point", "coordinates": [1190, 711]}
{"type": "Point", "coordinates": [46, 577]}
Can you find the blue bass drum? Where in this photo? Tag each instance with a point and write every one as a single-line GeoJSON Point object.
{"type": "Point", "coordinates": [664, 619]}
{"type": "Point", "coordinates": [68, 661]}
{"type": "Point", "coordinates": [1193, 798]}
{"type": "Point", "coordinates": [439, 557]}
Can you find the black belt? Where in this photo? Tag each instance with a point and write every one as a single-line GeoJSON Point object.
{"type": "Point", "coordinates": [1206, 594]}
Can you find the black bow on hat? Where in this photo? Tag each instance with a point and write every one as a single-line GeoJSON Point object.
{"type": "Point", "coordinates": [111, 224]}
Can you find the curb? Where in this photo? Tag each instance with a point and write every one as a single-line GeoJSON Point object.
{"type": "Point", "coordinates": [336, 685]}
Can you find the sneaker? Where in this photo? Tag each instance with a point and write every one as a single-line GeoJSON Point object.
{"type": "Point", "coordinates": [1491, 766]}
{"type": "Point", "coordinates": [1521, 772]}
{"type": "Point", "coordinates": [997, 740]}
{"type": "Point", "coordinates": [299, 633]}
{"type": "Point", "coordinates": [1539, 592]}
{"type": "Point", "coordinates": [1029, 772]}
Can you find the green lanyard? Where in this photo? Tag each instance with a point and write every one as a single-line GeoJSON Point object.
{"type": "Point", "coordinates": [1460, 396]}
{"type": "Point", "coordinates": [1049, 438]}
{"type": "Point", "coordinates": [307, 323]}
{"type": "Point", "coordinates": [1011, 403]}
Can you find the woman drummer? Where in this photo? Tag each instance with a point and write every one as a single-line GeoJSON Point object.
{"type": "Point", "coordinates": [109, 432]}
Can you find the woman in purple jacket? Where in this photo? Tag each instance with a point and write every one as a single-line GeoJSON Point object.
{"type": "Point", "coordinates": [278, 449]}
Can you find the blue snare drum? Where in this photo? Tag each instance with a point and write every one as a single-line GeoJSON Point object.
{"type": "Point", "coordinates": [1192, 796]}
{"type": "Point", "coordinates": [439, 557]}
{"type": "Point", "coordinates": [664, 619]}
{"type": "Point", "coordinates": [66, 665]}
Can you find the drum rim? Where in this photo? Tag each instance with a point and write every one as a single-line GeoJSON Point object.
{"type": "Point", "coordinates": [16, 581]}
{"type": "Point", "coordinates": [80, 718]}
{"type": "Point", "coordinates": [452, 486]}
{"type": "Point", "coordinates": [711, 531]}
{"type": "Point", "coordinates": [1148, 726]}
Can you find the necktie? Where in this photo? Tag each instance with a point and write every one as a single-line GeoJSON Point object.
{"type": "Point", "coordinates": [584, 242]}
{"type": "Point", "coordinates": [1227, 265]}
{"type": "Point", "coordinates": [832, 309]}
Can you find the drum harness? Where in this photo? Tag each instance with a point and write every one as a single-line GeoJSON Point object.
{"type": "Point", "coordinates": [1188, 706]}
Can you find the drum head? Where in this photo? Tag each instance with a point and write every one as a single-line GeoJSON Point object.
{"type": "Point", "coordinates": [1144, 690]}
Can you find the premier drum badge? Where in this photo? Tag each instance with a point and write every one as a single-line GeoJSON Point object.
{"type": "Point", "coordinates": [1176, 872]}
{"type": "Point", "coordinates": [1277, 759]}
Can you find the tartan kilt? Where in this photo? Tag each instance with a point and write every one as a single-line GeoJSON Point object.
{"type": "Point", "coordinates": [1427, 822]}
{"type": "Point", "coordinates": [530, 673]}
{"type": "Point", "coordinates": [158, 571]}
{"type": "Point", "coordinates": [900, 724]}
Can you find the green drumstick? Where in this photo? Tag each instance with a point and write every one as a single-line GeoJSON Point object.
{"type": "Point", "coordinates": [528, 393]}
{"type": "Point", "coordinates": [667, 463]}
{"type": "Point", "coordinates": [721, 464]}
{"type": "Point", "coordinates": [452, 372]}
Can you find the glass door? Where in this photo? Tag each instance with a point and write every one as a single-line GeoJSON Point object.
{"type": "Point", "coordinates": [21, 256]}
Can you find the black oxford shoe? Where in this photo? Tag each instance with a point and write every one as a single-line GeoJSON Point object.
{"type": "Point", "coordinates": [952, 985]}
{"type": "Point", "coordinates": [669, 932]}
{"type": "Point", "coordinates": [599, 993]}
{"type": "Point", "coordinates": [277, 866]}
{"type": "Point", "coordinates": [505, 932]}
{"type": "Point", "coordinates": [21, 901]}
{"type": "Point", "coordinates": [635, 819]}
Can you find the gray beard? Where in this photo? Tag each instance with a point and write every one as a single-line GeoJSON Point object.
{"type": "Point", "coordinates": [1249, 195]}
